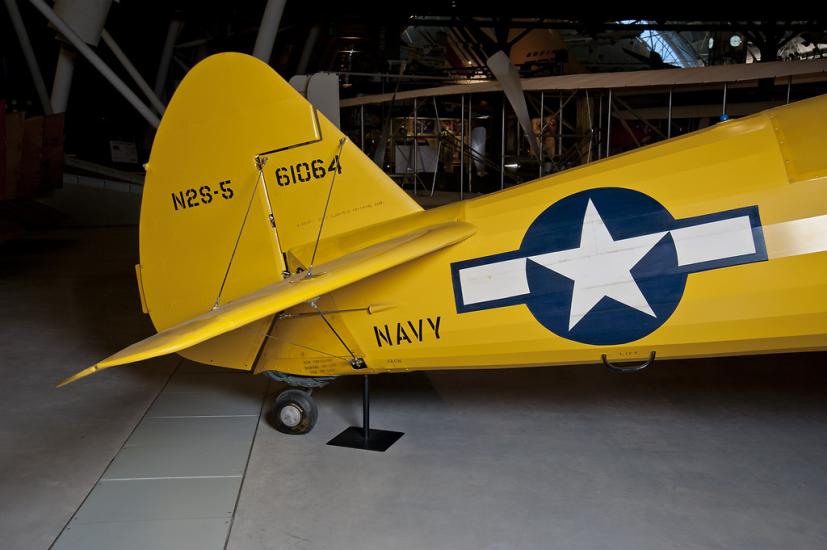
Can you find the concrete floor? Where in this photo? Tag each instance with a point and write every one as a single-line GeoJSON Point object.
{"type": "Point", "coordinates": [68, 299]}
{"type": "Point", "coordinates": [725, 453]}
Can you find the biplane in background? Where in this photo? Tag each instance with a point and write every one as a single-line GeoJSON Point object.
{"type": "Point", "coordinates": [269, 243]}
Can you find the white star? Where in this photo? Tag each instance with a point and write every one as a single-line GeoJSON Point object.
{"type": "Point", "coordinates": [601, 267]}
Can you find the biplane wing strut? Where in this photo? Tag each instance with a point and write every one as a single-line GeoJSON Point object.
{"type": "Point", "coordinates": [297, 289]}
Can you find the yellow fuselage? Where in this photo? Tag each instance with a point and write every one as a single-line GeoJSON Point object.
{"type": "Point", "coordinates": [770, 161]}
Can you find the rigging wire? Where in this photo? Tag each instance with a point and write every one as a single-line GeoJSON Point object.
{"type": "Point", "coordinates": [238, 239]}
{"type": "Point", "coordinates": [338, 160]}
{"type": "Point", "coordinates": [324, 318]}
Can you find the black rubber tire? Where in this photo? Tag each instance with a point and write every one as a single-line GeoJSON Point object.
{"type": "Point", "coordinates": [302, 401]}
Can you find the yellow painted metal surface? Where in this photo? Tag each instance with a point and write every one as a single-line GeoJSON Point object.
{"type": "Point", "coordinates": [301, 287]}
{"type": "Point", "coordinates": [206, 232]}
{"type": "Point", "coordinates": [769, 306]}
{"type": "Point", "coordinates": [390, 282]}
{"type": "Point", "coordinates": [144, 307]}
{"type": "Point", "coordinates": [203, 188]}
{"type": "Point", "coordinates": [362, 194]}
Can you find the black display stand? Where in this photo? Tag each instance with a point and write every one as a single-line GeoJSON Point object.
{"type": "Point", "coordinates": [365, 438]}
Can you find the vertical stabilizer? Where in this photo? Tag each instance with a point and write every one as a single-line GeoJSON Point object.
{"type": "Point", "coordinates": [239, 174]}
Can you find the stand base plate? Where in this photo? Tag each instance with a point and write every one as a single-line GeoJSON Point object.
{"type": "Point", "coordinates": [354, 438]}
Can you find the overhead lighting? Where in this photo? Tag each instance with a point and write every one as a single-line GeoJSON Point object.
{"type": "Point", "coordinates": [471, 81]}
{"type": "Point", "coordinates": [512, 165]}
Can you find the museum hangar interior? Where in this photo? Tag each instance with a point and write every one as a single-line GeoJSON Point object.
{"type": "Point", "coordinates": [440, 275]}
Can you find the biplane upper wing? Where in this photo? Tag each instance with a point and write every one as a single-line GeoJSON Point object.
{"type": "Point", "coordinates": [289, 292]}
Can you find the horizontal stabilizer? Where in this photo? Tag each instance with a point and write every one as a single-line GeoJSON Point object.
{"type": "Point", "coordinates": [284, 294]}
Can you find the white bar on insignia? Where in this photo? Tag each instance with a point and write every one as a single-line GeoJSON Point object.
{"type": "Point", "coordinates": [494, 281]}
{"type": "Point", "coordinates": [796, 237]}
{"type": "Point", "coordinates": [711, 241]}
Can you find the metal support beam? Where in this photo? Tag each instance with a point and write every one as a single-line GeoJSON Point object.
{"type": "Point", "coordinates": [560, 126]}
{"type": "Point", "coordinates": [132, 71]}
{"type": "Point", "coordinates": [534, 21]}
{"type": "Point", "coordinates": [72, 163]}
{"type": "Point", "coordinates": [643, 120]}
{"type": "Point", "coordinates": [166, 58]}
{"type": "Point", "coordinates": [184, 67]}
{"type": "Point", "coordinates": [723, 106]}
{"type": "Point", "coordinates": [599, 126]}
{"type": "Point", "coordinates": [28, 54]}
{"type": "Point", "coordinates": [470, 144]}
{"type": "Point", "coordinates": [540, 137]}
{"type": "Point", "coordinates": [415, 144]}
{"type": "Point", "coordinates": [270, 21]}
{"type": "Point", "coordinates": [669, 117]}
{"type": "Point", "coordinates": [86, 19]}
{"type": "Point", "coordinates": [96, 62]}
{"type": "Point", "coordinates": [461, 145]}
{"type": "Point", "coordinates": [629, 131]}
{"type": "Point", "coordinates": [62, 84]}
{"type": "Point", "coordinates": [591, 126]}
{"type": "Point", "coordinates": [362, 127]}
{"type": "Point", "coordinates": [789, 86]}
{"type": "Point", "coordinates": [609, 126]}
{"type": "Point", "coordinates": [502, 148]}
{"type": "Point", "coordinates": [436, 166]}
{"type": "Point", "coordinates": [682, 48]}
{"type": "Point", "coordinates": [307, 51]}
{"type": "Point", "coordinates": [396, 76]}
{"type": "Point", "coordinates": [438, 146]}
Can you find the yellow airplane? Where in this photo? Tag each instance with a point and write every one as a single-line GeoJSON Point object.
{"type": "Point", "coordinates": [270, 243]}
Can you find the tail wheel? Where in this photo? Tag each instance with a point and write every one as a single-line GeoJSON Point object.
{"type": "Point", "coordinates": [294, 412]}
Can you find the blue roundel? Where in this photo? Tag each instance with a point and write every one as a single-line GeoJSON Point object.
{"type": "Point", "coordinates": [606, 308]}
{"type": "Point", "coordinates": [607, 265]}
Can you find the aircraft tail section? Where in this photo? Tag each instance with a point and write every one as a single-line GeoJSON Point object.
{"type": "Point", "coordinates": [298, 288]}
{"type": "Point", "coordinates": [241, 172]}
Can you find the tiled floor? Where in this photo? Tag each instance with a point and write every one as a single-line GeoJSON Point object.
{"type": "Point", "coordinates": [724, 453]}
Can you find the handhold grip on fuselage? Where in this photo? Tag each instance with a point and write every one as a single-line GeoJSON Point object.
{"type": "Point", "coordinates": [630, 368]}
